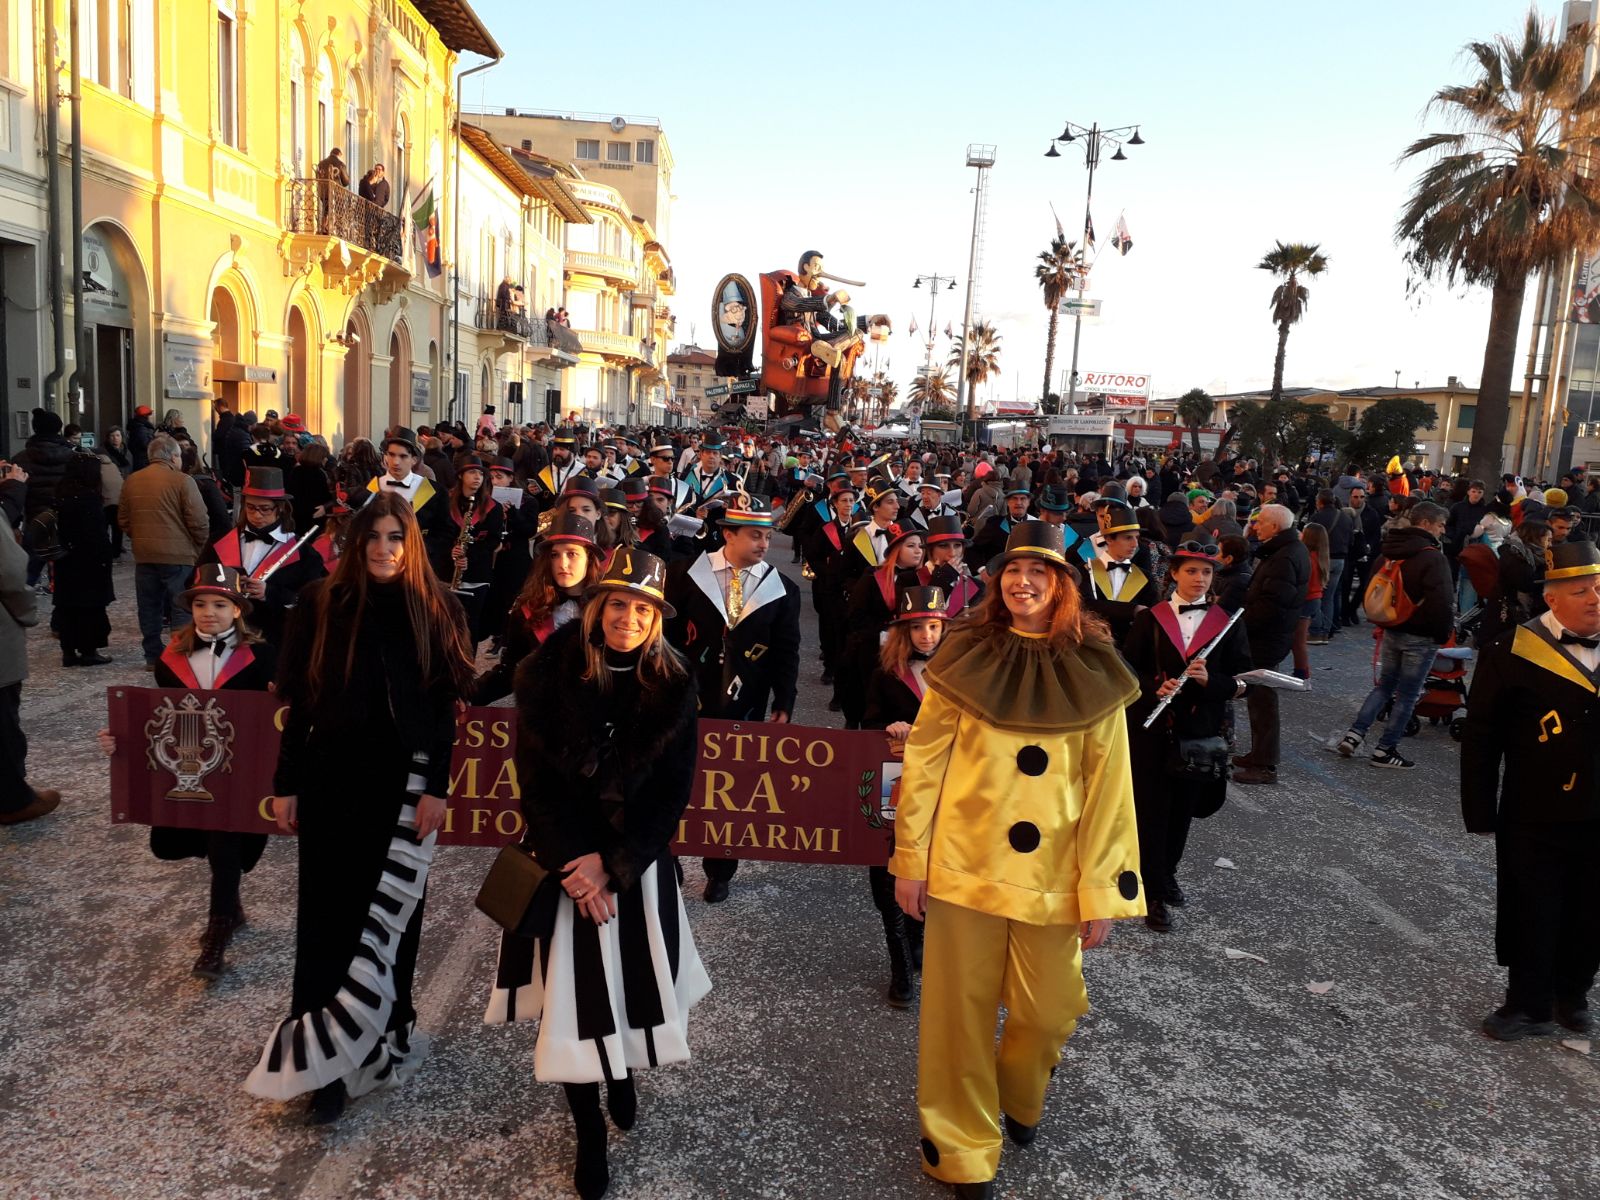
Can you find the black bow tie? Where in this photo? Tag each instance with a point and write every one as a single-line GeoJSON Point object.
{"type": "Point", "coordinates": [400, 483]}
{"type": "Point", "coordinates": [258, 535]}
{"type": "Point", "coordinates": [219, 646]}
{"type": "Point", "coordinates": [1200, 607]}
{"type": "Point", "coordinates": [1572, 639]}
{"type": "Point", "coordinates": [1124, 565]}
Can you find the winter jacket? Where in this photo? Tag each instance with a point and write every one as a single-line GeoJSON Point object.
{"type": "Point", "coordinates": [164, 515]}
{"type": "Point", "coordinates": [1425, 574]}
{"type": "Point", "coordinates": [44, 458]}
{"type": "Point", "coordinates": [110, 479]}
{"type": "Point", "coordinates": [19, 608]}
{"type": "Point", "coordinates": [1341, 526]}
{"type": "Point", "coordinates": [140, 433]}
{"type": "Point", "coordinates": [1464, 518]}
{"type": "Point", "coordinates": [1276, 594]}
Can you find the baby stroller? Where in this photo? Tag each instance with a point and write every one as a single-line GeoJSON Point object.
{"type": "Point", "coordinates": [1445, 692]}
{"type": "Point", "coordinates": [1482, 566]}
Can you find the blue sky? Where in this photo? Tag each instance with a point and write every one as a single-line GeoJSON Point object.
{"type": "Point", "coordinates": [846, 131]}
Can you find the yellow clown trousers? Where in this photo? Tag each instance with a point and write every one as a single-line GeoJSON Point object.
{"type": "Point", "coordinates": [973, 963]}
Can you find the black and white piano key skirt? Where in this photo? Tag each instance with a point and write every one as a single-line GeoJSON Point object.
{"type": "Point", "coordinates": [353, 1034]}
{"type": "Point", "coordinates": [609, 998]}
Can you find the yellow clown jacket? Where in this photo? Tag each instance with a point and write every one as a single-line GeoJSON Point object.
{"type": "Point", "coordinates": [1016, 797]}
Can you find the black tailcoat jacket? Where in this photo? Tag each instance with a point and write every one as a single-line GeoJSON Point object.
{"type": "Point", "coordinates": [737, 670]}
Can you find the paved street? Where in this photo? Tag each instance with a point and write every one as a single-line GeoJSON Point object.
{"type": "Point", "coordinates": [1194, 1076]}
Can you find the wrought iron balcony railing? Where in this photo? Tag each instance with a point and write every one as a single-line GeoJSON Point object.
{"type": "Point", "coordinates": [322, 206]}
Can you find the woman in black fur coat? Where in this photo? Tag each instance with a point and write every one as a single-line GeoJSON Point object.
{"type": "Point", "coordinates": [606, 749]}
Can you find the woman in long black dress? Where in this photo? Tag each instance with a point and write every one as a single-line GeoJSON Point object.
{"type": "Point", "coordinates": [83, 587]}
{"type": "Point", "coordinates": [374, 663]}
{"type": "Point", "coordinates": [894, 696]}
{"type": "Point", "coordinates": [1162, 648]}
{"type": "Point", "coordinates": [215, 651]}
{"type": "Point", "coordinates": [606, 745]}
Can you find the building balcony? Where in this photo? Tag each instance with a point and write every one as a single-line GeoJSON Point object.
{"type": "Point", "coordinates": [355, 242]}
{"type": "Point", "coordinates": [617, 346]}
{"type": "Point", "coordinates": [606, 266]}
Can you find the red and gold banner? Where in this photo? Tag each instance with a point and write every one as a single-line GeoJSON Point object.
{"type": "Point", "coordinates": [788, 793]}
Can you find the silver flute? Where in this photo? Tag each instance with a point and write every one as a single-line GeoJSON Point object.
{"type": "Point", "coordinates": [1183, 679]}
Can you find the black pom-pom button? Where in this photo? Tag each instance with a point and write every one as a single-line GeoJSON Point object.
{"type": "Point", "coordinates": [930, 1152]}
{"type": "Point", "coordinates": [1032, 760]}
{"type": "Point", "coordinates": [1024, 837]}
{"type": "Point", "coordinates": [1128, 885]}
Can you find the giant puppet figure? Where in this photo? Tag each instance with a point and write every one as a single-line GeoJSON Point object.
{"type": "Point", "coordinates": [808, 351]}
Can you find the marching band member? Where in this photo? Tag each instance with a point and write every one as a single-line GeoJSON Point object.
{"type": "Point", "coordinates": [929, 500]}
{"type": "Point", "coordinates": [947, 566]}
{"type": "Point", "coordinates": [737, 623]}
{"type": "Point", "coordinates": [217, 651]}
{"type": "Point", "coordinates": [273, 563]}
{"type": "Point", "coordinates": [825, 551]}
{"type": "Point", "coordinates": [614, 512]}
{"type": "Point", "coordinates": [606, 746]}
{"type": "Point", "coordinates": [1014, 836]}
{"type": "Point", "coordinates": [401, 456]}
{"type": "Point", "coordinates": [870, 538]}
{"type": "Point", "coordinates": [375, 660]}
{"type": "Point", "coordinates": [465, 545]}
{"type": "Point", "coordinates": [548, 485]}
{"type": "Point", "coordinates": [1119, 580]}
{"type": "Point", "coordinates": [991, 539]}
{"type": "Point", "coordinates": [894, 696]}
{"type": "Point", "coordinates": [706, 479]}
{"type": "Point", "coordinates": [869, 611]}
{"type": "Point", "coordinates": [515, 559]}
{"type": "Point", "coordinates": [1161, 646]}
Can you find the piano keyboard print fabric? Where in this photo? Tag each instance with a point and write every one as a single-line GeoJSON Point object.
{"type": "Point", "coordinates": [349, 1039]}
{"type": "Point", "coordinates": [609, 998]}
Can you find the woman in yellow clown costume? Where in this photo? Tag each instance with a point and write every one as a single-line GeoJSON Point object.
{"type": "Point", "coordinates": [1016, 841]}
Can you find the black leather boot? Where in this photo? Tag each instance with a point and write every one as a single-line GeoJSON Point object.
{"type": "Point", "coordinates": [914, 932]}
{"type": "Point", "coordinates": [327, 1104]}
{"type": "Point", "coordinates": [894, 932]}
{"type": "Point", "coordinates": [209, 965]}
{"type": "Point", "coordinates": [591, 1175]}
{"type": "Point", "coordinates": [622, 1102]}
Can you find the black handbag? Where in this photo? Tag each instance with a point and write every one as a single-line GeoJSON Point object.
{"type": "Point", "coordinates": [508, 891]}
{"type": "Point", "coordinates": [1199, 758]}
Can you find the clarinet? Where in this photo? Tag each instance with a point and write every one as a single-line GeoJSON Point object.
{"type": "Point", "coordinates": [463, 542]}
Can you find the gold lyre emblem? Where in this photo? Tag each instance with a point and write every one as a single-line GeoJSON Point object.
{"type": "Point", "coordinates": [190, 740]}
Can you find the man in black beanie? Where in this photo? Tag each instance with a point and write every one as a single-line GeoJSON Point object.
{"type": "Point", "coordinates": [44, 458]}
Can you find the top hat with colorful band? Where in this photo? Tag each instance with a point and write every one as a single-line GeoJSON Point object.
{"type": "Point", "coordinates": [662, 450]}
{"type": "Point", "coordinates": [638, 571]}
{"type": "Point", "coordinates": [1115, 517]}
{"type": "Point", "coordinates": [1036, 539]}
{"type": "Point", "coordinates": [898, 534]}
{"type": "Point", "coordinates": [713, 441]}
{"type": "Point", "coordinates": [1019, 492]}
{"type": "Point", "coordinates": [1571, 560]}
{"type": "Point", "coordinates": [880, 489]}
{"type": "Point", "coordinates": [503, 464]}
{"type": "Point", "coordinates": [757, 516]}
{"type": "Point", "coordinates": [1056, 498]}
{"type": "Point", "coordinates": [663, 485]}
{"type": "Point", "coordinates": [582, 485]}
{"type": "Point", "coordinates": [565, 436]}
{"type": "Point", "coordinates": [915, 603]}
{"type": "Point", "coordinates": [214, 579]}
{"type": "Point", "coordinates": [264, 483]}
{"type": "Point", "coordinates": [614, 498]}
{"type": "Point", "coordinates": [570, 527]}
{"type": "Point", "coordinates": [471, 462]}
{"type": "Point", "coordinates": [634, 488]}
{"type": "Point", "coordinates": [945, 529]}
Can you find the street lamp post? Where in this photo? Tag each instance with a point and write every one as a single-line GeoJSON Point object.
{"type": "Point", "coordinates": [936, 284]}
{"type": "Point", "coordinates": [1094, 140]}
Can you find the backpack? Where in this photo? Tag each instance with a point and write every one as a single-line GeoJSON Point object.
{"type": "Point", "coordinates": [1385, 601]}
{"type": "Point", "coordinates": [41, 536]}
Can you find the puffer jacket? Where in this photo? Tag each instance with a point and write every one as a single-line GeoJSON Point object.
{"type": "Point", "coordinates": [1275, 596]}
{"type": "Point", "coordinates": [44, 458]}
{"type": "Point", "coordinates": [1425, 574]}
{"type": "Point", "coordinates": [163, 513]}
{"type": "Point", "coordinates": [110, 479]}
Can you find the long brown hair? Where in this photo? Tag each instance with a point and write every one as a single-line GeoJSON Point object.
{"type": "Point", "coordinates": [183, 641]}
{"type": "Point", "coordinates": [441, 637]}
{"type": "Point", "coordinates": [658, 661]}
{"type": "Point", "coordinates": [1071, 624]}
{"type": "Point", "coordinates": [540, 596]}
{"type": "Point", "coordinates": [625, 533]}
{"type": "Point", "coordinates": [897, 648]}
{"type": "Point", "coordinates": [1316, 539]}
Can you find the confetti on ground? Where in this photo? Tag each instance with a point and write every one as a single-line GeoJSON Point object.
{"type": "Point", "coordinates": [1232, 953]}
{"type": "Point", "coordinates": [1576, 1045]}
{"type": "Point", "coordinates": [1319, 989]}
{"type": "Point", "coordinates": [1226, 864]}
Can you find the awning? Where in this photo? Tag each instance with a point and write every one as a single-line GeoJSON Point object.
{"type": "Point", "coordinates": [1152, 437]}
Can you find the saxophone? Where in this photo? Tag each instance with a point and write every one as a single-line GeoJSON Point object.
{"type": "Point", "coordinates": [464, 542]}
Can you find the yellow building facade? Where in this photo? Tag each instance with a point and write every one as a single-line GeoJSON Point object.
{"type": "Point", "coordinates": [216, 263]}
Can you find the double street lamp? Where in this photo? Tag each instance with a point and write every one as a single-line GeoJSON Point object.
{"type": "Point", "coordinates": [936, 284]}
{"type": "Point", "coordinates": [1093, 141]}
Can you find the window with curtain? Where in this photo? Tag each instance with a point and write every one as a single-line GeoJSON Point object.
{"type": "Point", "coordinates": [227, 75]}
{"type": "Point", "coordinates": [297, 109]}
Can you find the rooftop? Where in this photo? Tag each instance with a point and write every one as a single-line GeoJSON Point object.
{"type": "Point", "coordinates": [459, 27]}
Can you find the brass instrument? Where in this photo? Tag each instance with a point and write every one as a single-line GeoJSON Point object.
{"type": "Point", "coordinates": [464, 541]}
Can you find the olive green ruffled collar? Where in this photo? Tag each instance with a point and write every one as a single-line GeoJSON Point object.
{"type": "Point", "coordinates": [1023, 685]}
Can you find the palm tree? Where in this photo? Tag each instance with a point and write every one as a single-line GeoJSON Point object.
{"type": "Point", "coordinates": [1289, 261]}
{"type": "Point", "coordinates": [983, 359]}
{"type": "Point", "coordinates": [1508, 194]}
{"type": "Point", "coordinates": [933, 391]}
{"type": "Point", "coordinates": [1195, 408]}
{"type": "Point", "coordinates": [1055, 272]}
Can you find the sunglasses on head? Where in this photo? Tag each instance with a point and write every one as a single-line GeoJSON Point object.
{"type": "Point", "coordinates": [1209, 549]}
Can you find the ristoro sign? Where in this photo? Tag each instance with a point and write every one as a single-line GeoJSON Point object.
{"type": "Point", "coordinates": [1121, 389]}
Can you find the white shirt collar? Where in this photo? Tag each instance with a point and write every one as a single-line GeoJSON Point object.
{"type": "Point", "coordinates": [409, 482]}
{"type": "Point", "coordinates": [1589, 658]}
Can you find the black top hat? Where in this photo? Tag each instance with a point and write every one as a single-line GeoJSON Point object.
{"type": "Point", "coordinates": [570, 527]}
{"type": "Point", "coordinates": [406, 437]}
{"type": "Point", "coordinates": [1571, 560]}
{"type": "Point", "coordinates": [914, 603]}
{"type": "Point", "coordinates": [713, 441]}
{"type": "Point", "coordinates": [663, 485]}
{"type": "Point", "coordinates": [1036, 539]}
{"type": "Point", "coordinates": [614, 498]}
{"type": "Point", "coordinates": [214, 579]}
{"type": "Point", "coordinates": [1115, 517]}
{"type": "Point", "coordinates": [265, 483]}
{"type": "Point", "coordinates": [565, 436]}
{"type": "Point", "coordinates": [471, 462]}
{"type": "Point", "coordinates": [634, 487]}
{"type": "Point", "coordinates": [880, 489]}
{"type": "Point", "coordinates": [945, 529]}
{"type": "Point", "coordinates": [502, 463]}
{"type": "Point", "coordinates": [582, 485]}
{"type": "Point", "coordinates": [898, 534]}
{"type": "Point", "coordinates": [1056, 498]}
{"type": "Point", "coordinates": [638, 571]}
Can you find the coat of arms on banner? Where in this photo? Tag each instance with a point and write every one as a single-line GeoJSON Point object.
{"type": "Point", "coordinates": [190, 740]}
